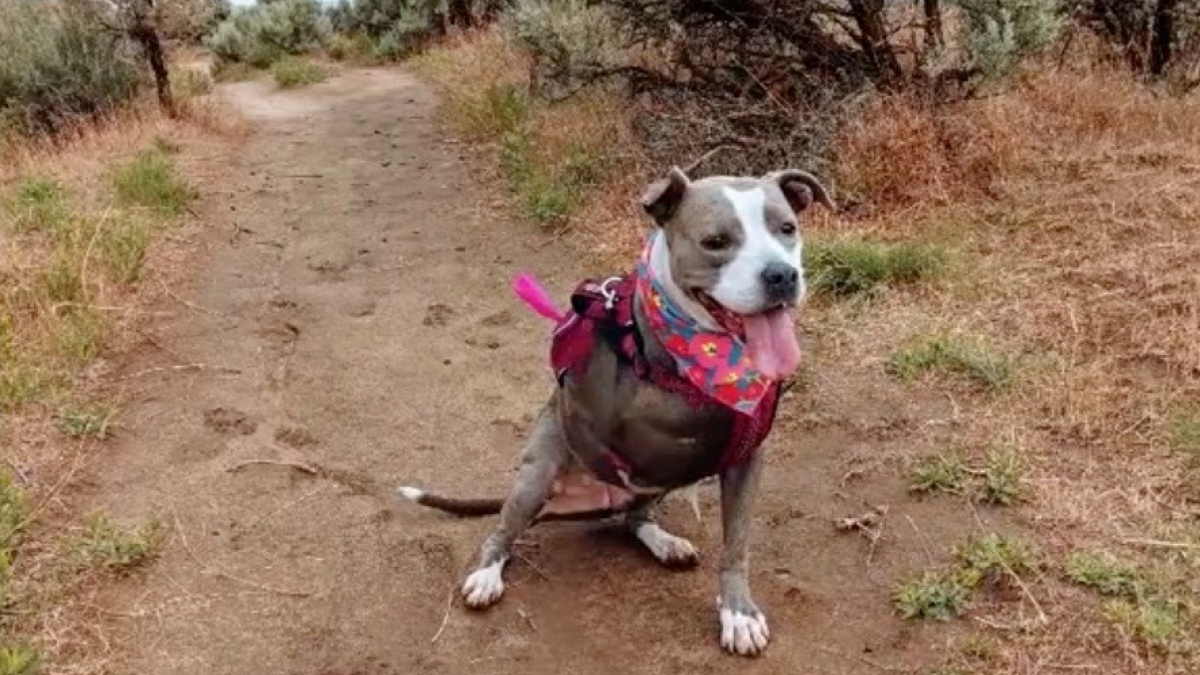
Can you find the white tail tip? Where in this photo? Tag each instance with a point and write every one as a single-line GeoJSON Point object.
{"type": "Point", "coordinates": [411, 493]}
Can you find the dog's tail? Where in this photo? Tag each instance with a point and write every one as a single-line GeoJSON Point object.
{"type": "Point", "coordinates": [465, 508]}
{"type": "Point", "coordinates": [476, 508]}
{"type": "Point", "coordinates": [531, 293]}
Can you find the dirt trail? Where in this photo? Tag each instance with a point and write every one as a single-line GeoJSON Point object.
{"type": "Point", "coordinates": [359, 292]}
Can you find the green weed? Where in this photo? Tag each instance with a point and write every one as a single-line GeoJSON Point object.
{"type": "Point", "coordinates": [1003, 478]}
{"type": "Point", "coordinates": [19, 660]}
{"type": "Point", "coordinates": [14, 511]}
{"type": "Point", "coordinates": [106, 546]}
{"type": "Point", "coordinates": [123, 247]}
{"type": "Point", "coordinates": [150, 180]}
{"type": "Point", "coordinates": [991, 556]}
{"type": "Point", "coordinates": [86, 421]}
{"type": "Point", "coordinates": [939, 595]}
{"type": "Point", "coordinates": [38, 204]}
{"type": "Point", "coordinates": [1160, 623]}
{"type": "Point", "coordinates": [850, 268]}
{"type": "Point", "coordinates": [941, 473]}
{"type": "Point", "coordinates": [1104, 572]}
{"type": "Point", "coordinates": [971, 359]}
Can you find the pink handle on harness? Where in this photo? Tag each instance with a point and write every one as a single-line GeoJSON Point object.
{"type": "Point", "coordinates": [531, 293]}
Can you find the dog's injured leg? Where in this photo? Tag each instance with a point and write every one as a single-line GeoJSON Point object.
{"type": "Point", "coordinates": [743, 626]}
{"type": "Point", "coordinates": [671, 550]}
{"type": "Point", "coordinates": [544, 457]}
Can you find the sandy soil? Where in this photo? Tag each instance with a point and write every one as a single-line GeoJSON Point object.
{"type": "Point", "coordinates": [353, 327]}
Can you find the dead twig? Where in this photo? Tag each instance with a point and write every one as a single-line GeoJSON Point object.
{"type": "Point", "coordinates": [870, 525]}
{"type": "Point", "coordinates": [299, 466]}
{"type": "Point", "coordinates": [1158, 543]}
{"type": "Point", "coordinates": [190, 305]}
{"type": "Point", "coordinates": [921, 538]}
{"type": "Point", "coordinates": [526, 617]}
{"type": "Point", "coordinates": [182, 367]}
{"type": "Point", "coordinates": [445, 616]}
{"type": "Point", "coordinates": [540, 572]}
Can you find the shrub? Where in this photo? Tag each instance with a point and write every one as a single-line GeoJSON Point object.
{"type": "Point", "coordinates": [1002, 32]}
{"type": "Point", "coordinates": [263, 34]}
{"type": "Point", "coordinates": [58, 68]}
{"type": "Point", "coordinates": [291, 72]}
{"type": "Point", "coordinates": [565, 37]}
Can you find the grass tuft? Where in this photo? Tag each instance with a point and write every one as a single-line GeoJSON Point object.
{"type": "Point", "coordinates": [150, 180]}
{"type": "Point", "coordinates": [38, 204]}
{"type": "Point", "coordinates": [969, 358]}
{"type": "Point", "coordinates": [108, 547]}
{"type": "Point", "coordinates": [943, 473]}
{"type": "Point", "coordinates": [1003, 478]}
{"type": "Point", "coordinates": [86, 421]}
{"type": "Point", "coordinates": [19, 660]}
{"type": "Point", "coordinates": [14, 512]}
{"type": "Point", "coordinates": [940, 595]}
{"type": "Point", "coordinates": [993, 555]}
{"type": "Point", "coordinates": [1160, 623]}
{"type": "Point", "coordinates": [292, 72]}
{"type": "Point", "coordinates": [1105, 572]}
{"type": "Point", "coordinates": [1185, 433]}
{"type": "Point", "coordinates": [123, 247]}
{"type": "Point", "coordinates": [852, 268]}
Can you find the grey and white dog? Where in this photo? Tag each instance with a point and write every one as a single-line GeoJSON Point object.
{"type": "Point", "coordinates": [731, 243]}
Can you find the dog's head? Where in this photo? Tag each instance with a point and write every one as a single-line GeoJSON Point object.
{"type": "Point", "coordinates": [736, 241]}
{"type": "Point", "coordinates": [734, 247]}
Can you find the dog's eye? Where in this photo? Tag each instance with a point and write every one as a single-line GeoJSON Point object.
{"type": "Point", "coordinates": [788, 229]}
{"type": "Point", "coordinates": [715, 242]}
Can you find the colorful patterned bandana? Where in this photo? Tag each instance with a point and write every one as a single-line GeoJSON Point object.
{"type": "Point", "coordinates": [717, 363]}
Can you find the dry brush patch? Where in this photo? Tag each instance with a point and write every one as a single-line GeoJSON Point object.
{"type": "Point", "coordinates": [1071, 208]}
{"type": "Point", "coordinates": [90, 225]}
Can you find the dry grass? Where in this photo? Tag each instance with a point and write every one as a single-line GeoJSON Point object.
{"type": "Point", "coordinates": [1071, 197]}
{"type": "Point", "coordinates": [80, 221]}
{"type": "Point", "coordinates": [564, 163]}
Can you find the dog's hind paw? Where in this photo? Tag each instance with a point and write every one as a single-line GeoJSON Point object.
{"type": "Point", "coordinates": [670, 549]}
{"type": "Point", "coordinates": [484, 586]}
{"type": "Point", "coordinates": [744, 634]}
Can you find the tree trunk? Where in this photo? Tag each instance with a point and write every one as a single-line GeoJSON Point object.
{"type": "Point", "coordinates": [873, 38]}
{"type": "Point", "coordinates": [146, 36]}
{"type": "Point", "coordinates": [1162, 36]}
{"type": "Point", "coordinates": [934, 37]}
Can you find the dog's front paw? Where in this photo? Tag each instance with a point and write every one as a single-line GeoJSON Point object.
{"type": "Point", "coordinates": [742, 633]}
{"type": "Point", "coordinates": [484, 586]}
{"type": "Point", "coordinates": [671, 550]}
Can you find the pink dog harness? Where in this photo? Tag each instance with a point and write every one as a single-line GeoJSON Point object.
{"type": "Point", "coordinates": [604, 310]}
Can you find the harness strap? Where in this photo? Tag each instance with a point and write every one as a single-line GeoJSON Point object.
{"type": "Point", "coordinates": [605, 310]}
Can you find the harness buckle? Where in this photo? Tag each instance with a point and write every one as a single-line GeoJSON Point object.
{"type": "Point", "coordinates": [610, 295]}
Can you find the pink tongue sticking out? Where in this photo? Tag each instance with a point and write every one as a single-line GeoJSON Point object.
{"type": "Point", "coordinates": [771, 339]}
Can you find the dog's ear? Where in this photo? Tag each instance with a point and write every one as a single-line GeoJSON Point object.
{"type": "Point", "coordinates": [801, 189]}
{"type": "Point", "coordinates": [663, 196]}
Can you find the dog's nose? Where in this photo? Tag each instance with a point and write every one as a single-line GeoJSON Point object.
{"type": "Point", "coordinates": [781, 281]}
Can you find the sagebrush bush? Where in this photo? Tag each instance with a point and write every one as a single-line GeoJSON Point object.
{"type": "Point", "coordinates": [264, 33]}
{"type": "Point", "coordinates": [565, 38]}
{"type": "Point", "coordinates": [58, 67]}
{"type": "Point", "coordinates": [1000, 33]}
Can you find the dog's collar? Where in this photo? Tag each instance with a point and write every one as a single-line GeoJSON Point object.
{"type": "Point", "coordinates": [716, 362]}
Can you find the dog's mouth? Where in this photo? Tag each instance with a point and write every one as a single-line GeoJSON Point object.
{"type": "Point", "coordinates": [770, 335]}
